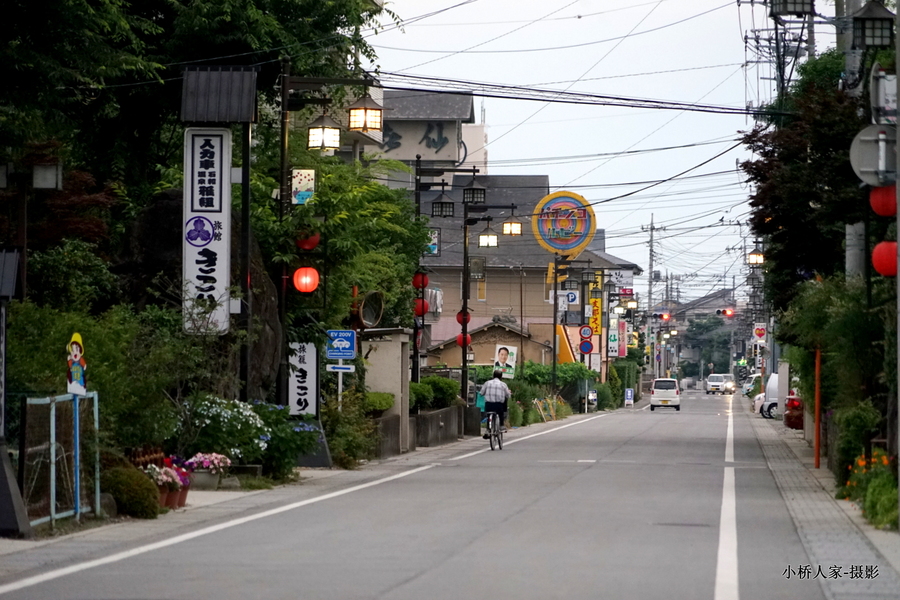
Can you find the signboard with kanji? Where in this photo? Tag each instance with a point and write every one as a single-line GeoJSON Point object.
{"type": "Point", "coordinates": [304, 377]}
{"type": "Point", "coordinates": [206, 246]}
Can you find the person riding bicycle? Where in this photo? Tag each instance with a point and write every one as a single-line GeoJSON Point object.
{"type": "Point", "coordinates": [496, 394]}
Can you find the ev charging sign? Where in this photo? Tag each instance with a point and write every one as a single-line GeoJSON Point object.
{"type": "Point", "coordinates": [341, 344]}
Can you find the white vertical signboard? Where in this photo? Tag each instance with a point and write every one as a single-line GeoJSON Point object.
{"type": "Point", "coordinates": [303, 385]}
{"type": "Point", "coordinates": [612, 340]}
{"type": "Point", "coordinates": [206, 250]}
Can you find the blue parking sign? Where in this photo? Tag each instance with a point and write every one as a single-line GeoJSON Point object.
{"type": "Point", "coordinates": [341, 344]}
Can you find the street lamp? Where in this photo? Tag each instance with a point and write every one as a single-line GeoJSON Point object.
{"type": "Point", "coordinates": [756, 258]}
{"type": "Point", "coordinates": [783, 8]}
{"type": "Point", "coordinates": [324, 134]}
{"type": "Point", "coordinates": [873, 26]}
{"type": "Point", "coordinates": [488, 237]}
{"type": "Point", "coordinates": [365, 115]}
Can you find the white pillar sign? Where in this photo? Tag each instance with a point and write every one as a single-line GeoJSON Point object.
{"type": "Point", "coordinates": [303, 386]}
{"type": "Point", "coordinates": [206, 249]}
{"type": "Point", "coordinates": [612, 340]}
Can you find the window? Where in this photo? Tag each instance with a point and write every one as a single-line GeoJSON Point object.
{"type": "Point", "coordinates": [664, 384]}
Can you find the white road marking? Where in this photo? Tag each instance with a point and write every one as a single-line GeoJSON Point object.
{"type": "Point", "coordinates": [727, 584]}
{"type": "Point", "coordinates": [528, 437]}
{"type": "Point", "coordinates": [727, 560]}
{"type": "Point", "coordinates": [56, 574]}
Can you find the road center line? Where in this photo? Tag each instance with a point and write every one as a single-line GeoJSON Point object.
{"type": "Point", "coordinates": [528, 437]}
{"type": "Point", "coordinates": [727, 585]}
{"type": "Point", "coordinates": [56, 574]}
{"type": "Point", "coordinates": [727, 559]}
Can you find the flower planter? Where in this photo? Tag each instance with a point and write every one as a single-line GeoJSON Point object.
{"type": "Point", "coordinates": [203, 480]}
{"type": "Point", "coordinates": [182, 496]}
{"type": "Point", "coordinates": [163, 495]}
{"type": "Point", "coordinates": [172, 499]}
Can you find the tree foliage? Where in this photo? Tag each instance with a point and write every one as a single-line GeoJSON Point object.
{"type": "Point", "coordinates": [804, 188]}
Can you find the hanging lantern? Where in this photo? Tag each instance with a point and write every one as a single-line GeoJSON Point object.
{"type": "Point", "coordinates": [306, 280]}
{"type": "Point", "coordinates": [459, 340]}
{"type": "Point", "coordinates": [884, 258]}
{"type": "Point", "coordinates": [421, 307]}
{"type": "Point", "coordinates": [309, 242]}
{"type": "Point", "coordinates": [883, 200]}
{"type": "Point", "coordinates": [463, 317]}
{"type": "Point", "coordinates": [420, 281]}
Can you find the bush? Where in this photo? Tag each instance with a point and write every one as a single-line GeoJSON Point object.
{"type": "Point", "coordinates": [615, 386]}
{"type": "Point", "coordinates": [516, 414]}
{"type": "Point", "coordinates": [229, 427]}
{"type": "Point", "coordinates": [880, 507]}
{"type": "Point", "coordinates": [285, 440]}
{"type": "Point", "coordinates": [605, 397]}
{"type": "Point", "coordinates": [378, 401]}
{"type": "Point", "coordinates": [420, 396]}
{"type": "Point", "coordinates": [445, 391]}
{"type": "Point", "coordinates": [350, 435]}
{"type": "Point", "coordinates": [856, 425]}
{"type": "Point", "coordinates": [134, 493]}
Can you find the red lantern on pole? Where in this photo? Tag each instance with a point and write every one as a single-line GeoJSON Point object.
{"type": "Point", "coordinates": [459, 340]}
{"type": "Point", "coordinates": [463, 317]}
{"type": "Point", "coordinates": [421, 307]}
{"type": "Point", "coordinates": [883, 200]}
{"type": "Point", "coordinates": [306, 280]}
{"type": "Point", "coordinates": [309, 242]}
{"type": "Point", "coordinates": [420, 281]}
{"type": "Point", "coordinates": [884, 258]}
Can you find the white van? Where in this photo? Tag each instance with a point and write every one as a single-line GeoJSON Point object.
{"type": "Point", "coordinates": [665, 392]}
{"type": "Point", "coordinates": [715, 383]}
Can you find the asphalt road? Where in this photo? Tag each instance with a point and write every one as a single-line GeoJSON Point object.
{"type": "Point", "coordinates": [630, 504]}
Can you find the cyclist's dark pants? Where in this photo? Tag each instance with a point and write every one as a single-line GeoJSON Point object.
{"type": "Point", "coordinates": [497, 407]}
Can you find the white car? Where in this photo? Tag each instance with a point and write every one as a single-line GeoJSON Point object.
{"type": "Point", "coordinates": [715, 384]}
{"type": "Point", "coordinates": [747, 387]}
{"type": "Point", "coordinates": [665, 392]}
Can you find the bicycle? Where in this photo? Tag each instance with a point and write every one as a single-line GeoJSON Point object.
{"type": "Point", "coordinates": [494, 430]}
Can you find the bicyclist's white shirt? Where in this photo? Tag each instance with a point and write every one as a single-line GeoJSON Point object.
{"type": "Point", "coordinates": [495, 390]}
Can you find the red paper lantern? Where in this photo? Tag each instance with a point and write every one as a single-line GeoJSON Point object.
{"type": "Point", "coordinates": [463, 317]}
{"type": "Point", "coordinates": [420, 281]}
{"type": "Point", "coordinates": [459, 340]}
{"type": "Point", "coordinates": [306, 280]}
{"type": "Point", "coordinates": [883, 200]}
{"type": "Point", "coordinates": [310, 242]}
{"type": "Point", "coordinates": [421, 307]}
{"type": "Point", "coordinates": [884, 258]}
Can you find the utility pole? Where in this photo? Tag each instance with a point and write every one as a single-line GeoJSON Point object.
{"type": "Point", "coordinates": [650, 337]}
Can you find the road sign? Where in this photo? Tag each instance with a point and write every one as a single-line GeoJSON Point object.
{"type": "Point", "coordinates": [341, 344]}
{"type": "Point", "coordinates": [341, 368]}
{"type": "Point", "coordinates": [629, 397]}
{"type": "Point", "coordinates": [586, 347]}
{"type": "Point", "coordinates": [585, 331]}
{"type": "Point", "coordinates": [873, 155]}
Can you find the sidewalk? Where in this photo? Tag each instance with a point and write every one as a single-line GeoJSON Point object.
{"type": "Point", "coordinates": [834, 532]}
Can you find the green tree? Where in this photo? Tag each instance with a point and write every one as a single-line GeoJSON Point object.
{"type": "Point", "coordinates": [803, 185]}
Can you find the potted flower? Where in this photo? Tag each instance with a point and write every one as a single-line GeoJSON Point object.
{"type": "Point", "coordinates": [207, 468]}
{"type": "Point", "coordinates": [166, 480]}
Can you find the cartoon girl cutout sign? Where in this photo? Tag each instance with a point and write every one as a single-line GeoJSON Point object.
{"type": "Point", "coordinates": [77, 384]}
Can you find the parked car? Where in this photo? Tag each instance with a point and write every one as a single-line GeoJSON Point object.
{"type": "Point", "coordinates": [766, 403]}
{"type": "Point", "coordinates": [748, 385]}
{"type": "Point", "coordinates": [793, 412]}
{"type": "Point", "coordinates": [715, 384]}
{"type": "Point", "coordinates": [665, 392]}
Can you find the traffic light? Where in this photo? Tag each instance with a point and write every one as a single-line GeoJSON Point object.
{"type": "Point", "coordinates": [663, 316]}
{"type": "Point", "coordinates": [725, 312]}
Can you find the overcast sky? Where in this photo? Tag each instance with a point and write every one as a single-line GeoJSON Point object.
{"type": "Point", "coordinates": [689, 52]}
